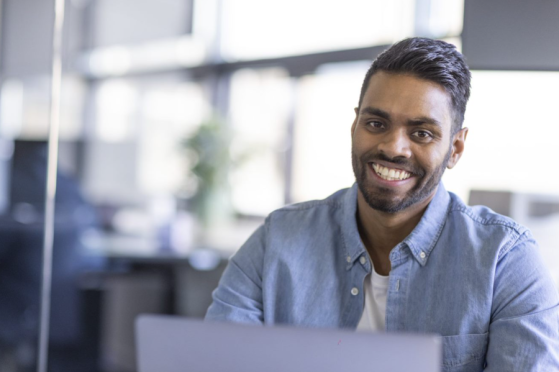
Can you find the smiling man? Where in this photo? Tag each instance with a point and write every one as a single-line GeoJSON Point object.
{"type": "Point", "coordinates": [396, 251]}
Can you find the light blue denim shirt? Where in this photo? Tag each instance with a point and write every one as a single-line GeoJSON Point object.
{"type": "Point", "coordinates": [466, 273]}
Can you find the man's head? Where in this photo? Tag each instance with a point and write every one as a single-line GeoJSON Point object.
{"type": "Point", "coordinates": [407, 126]}
{"type": "Point", "coordinates": [432, 60]}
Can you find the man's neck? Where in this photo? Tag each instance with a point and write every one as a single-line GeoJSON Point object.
{"type": "Point", "coordinates": [381, 231]}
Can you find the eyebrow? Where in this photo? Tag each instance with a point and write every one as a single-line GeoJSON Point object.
{"type": "Point", "coordinates": [375, 111]}
{"type": "Point", "coordinates": [425, 120]}
{"type": "Point", "coordinates": [412, 122]}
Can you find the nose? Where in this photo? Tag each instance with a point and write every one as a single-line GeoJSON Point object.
{"type": "Point", "coordinates": [395, 143]}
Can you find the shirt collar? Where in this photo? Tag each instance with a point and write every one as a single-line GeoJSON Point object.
{"type": "Point", "coordinates": [421, 240]}
{"type": "Point", "coordinates": [424, 237]}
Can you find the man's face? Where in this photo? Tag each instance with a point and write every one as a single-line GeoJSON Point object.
{"type": "Point", "coordinates": [402, 141]}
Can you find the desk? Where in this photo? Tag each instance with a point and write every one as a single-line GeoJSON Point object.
{"type": "Point", "coordinates": [145, 280]}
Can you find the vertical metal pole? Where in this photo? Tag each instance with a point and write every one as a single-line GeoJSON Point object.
{"type": "Point", "coordinates": [4, 160]}
{"type": "Point", "coordinates": [1, 34]}
{"type": "Point", "coordinates": [52, 162]}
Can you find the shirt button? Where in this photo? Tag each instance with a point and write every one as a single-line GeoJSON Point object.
{"type": "Point", "coordinates": [363, 260]}
{"type": "Point", "coordinates": [348, 258]}
{"type": "Point", "coordinates": [354, 291]}
{"type": "Point", "coordinates": [422, 254]}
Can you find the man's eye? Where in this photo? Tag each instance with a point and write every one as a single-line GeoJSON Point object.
{"type": "Point", "coordinates": [422, 134]}
{"type": "Point", "coordinates": [375, 124]}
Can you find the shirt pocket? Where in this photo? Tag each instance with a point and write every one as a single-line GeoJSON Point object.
{"type": "Point", "coordinates": [464, 353]}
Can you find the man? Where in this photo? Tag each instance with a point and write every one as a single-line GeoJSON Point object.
{"type": "Point", "coordinates": [397, 252]}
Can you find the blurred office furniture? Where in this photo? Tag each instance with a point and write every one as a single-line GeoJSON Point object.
{"type": "Point", "coordinates": [195, 283]}
{"type": "Point", "coordinates": [149, 271]}
{"type": "Point", "coordinates": [510, 47]}
{"type": "Point", "coordinates": [21, 237]}
{"type": "Point", "coordinates": [522, 207]}
{"type": "Point", "coordinates": [125, 296]}
{"type": "Point", "coordinates": [538, 212]}
{"type": "Point", "coordinates": [134, 284]}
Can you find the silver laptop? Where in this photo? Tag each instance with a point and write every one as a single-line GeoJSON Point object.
{"type": "Point", "coordinates": [174, 344]}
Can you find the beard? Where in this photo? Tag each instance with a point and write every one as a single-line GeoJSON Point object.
{"type": "Point", "coordinates": [382, 198]}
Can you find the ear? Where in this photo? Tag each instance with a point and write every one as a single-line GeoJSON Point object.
{"type": "Point", "coordinates": [354, 121]}
{"type": "Point", "coordinates": [458, 142]}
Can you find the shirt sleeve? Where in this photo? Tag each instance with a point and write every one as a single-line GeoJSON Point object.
{"type": "Point", "coordinates": [238, 297]}
{"type": "Point", "coordinates": [524, 329]}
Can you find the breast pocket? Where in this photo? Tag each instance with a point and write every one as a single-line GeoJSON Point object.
{"type": "Point", "coordinates": [464, 353]}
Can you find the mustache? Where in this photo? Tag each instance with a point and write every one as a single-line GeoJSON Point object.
{"type": "Point", "coordinates": [401, 162]}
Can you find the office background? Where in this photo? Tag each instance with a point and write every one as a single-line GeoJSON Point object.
{"type": "Point", "coordinates": [185, 122]}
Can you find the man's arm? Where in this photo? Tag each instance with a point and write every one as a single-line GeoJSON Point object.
{"type": "Point", "coordinates": [238, 297]}
{"type": "Point", "coordinates": [524, 330]}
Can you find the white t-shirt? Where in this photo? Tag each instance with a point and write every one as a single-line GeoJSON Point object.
{"type": "Point", "coordinates": [374, 313]}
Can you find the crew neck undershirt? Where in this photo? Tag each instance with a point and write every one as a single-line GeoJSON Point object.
{"type": "Point", "coordinates": [374, 312]}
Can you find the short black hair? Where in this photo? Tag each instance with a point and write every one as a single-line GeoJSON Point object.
{"type": "Point", "coordinates": [433, 60]}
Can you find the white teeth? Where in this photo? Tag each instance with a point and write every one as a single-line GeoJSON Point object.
{"type": "Point", "coordinates": [404, 175]}
{"type": "Point", "coordinates": [390, 174]}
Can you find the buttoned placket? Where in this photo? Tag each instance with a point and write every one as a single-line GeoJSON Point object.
{"type": "Point", "coordinates": [359, 268]}
{"type": "Point", "coordinates": [400, 260]}
{"type": "Point", "coordinates": [415, 250]}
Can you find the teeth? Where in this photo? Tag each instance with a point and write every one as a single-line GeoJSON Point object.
{"type": "Point", "coordinates": [390, 174]}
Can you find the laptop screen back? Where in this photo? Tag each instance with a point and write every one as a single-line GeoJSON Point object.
{"type": "Point", "coordinates": [173, 344]}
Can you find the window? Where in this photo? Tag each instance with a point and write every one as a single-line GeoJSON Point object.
{"type": "Point", "coordinates": [260, 107]}
{"type": "Point", "coordinates": [322, 151]}
{"type": "Point", "coordinates": [512, 138]}
{"type": "Point", "coordinates": [139, 124]}
{"type": "Point", "coordinates": [253, 29]}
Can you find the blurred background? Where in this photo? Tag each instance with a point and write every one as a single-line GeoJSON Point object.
{"type": "Point", "coordinates": [185, 122]}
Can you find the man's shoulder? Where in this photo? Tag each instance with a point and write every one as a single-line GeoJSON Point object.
{"type": "Point", "coordinates": [487, 225]}
{"type": "Point", "coordinates": [311, 221]}
{"type": "Point", "coordinates": [482, 215]}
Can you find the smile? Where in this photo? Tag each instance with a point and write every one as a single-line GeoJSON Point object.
{"type": "Point", "coordinates": [390, 174]}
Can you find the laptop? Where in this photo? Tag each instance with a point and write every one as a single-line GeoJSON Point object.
{"type": "Point", "coordinates": [175, 344]}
